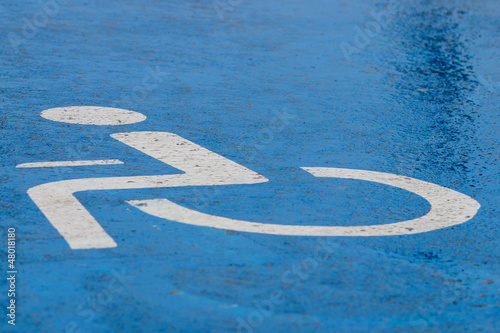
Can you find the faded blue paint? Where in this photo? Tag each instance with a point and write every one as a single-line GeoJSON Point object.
{"type": "Point", "coordinates": [420, 98]}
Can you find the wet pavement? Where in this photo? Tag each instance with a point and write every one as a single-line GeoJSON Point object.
{"type": "Point", "coordinates": [410, 88]}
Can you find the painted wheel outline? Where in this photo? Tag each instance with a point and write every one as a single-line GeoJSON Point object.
{"type": "Point", "coordinates": [448, 208]}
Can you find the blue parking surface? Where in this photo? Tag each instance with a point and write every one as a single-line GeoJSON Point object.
{"type": "Point", "coordinates": [408, 88]}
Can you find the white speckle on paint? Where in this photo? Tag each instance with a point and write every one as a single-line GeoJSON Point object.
{"type": "Point", "coordinates": [93, 115]}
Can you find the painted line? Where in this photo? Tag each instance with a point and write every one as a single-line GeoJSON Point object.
{"type": "Point", "coordinates": [67, 163]}
{"type": "Point", "coordinates": [93, 115]}
{"type": "Point", "coordinates": [448, 208]}
{"type": "Point", "coordinates": [202, 167]}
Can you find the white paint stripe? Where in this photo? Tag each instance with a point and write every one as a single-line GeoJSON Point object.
{"type": "Point", "coordinates": [67, 163]}
{"type": "Point", "coordinates": [448, 208]}
{"type": "Point", "coordinates": [201, 166]}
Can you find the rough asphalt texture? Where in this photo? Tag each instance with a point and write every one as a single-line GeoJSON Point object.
{"type": "Point", "coordinates": [269, 85]}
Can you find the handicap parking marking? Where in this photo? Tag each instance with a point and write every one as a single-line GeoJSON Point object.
{"type": "Point", "coordinates": [203, 167]}
{"type": "Point", "coordinates": [387, 162]}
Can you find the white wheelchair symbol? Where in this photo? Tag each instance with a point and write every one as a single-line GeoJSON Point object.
{"type": "Point", "coordinates": [203, 167]}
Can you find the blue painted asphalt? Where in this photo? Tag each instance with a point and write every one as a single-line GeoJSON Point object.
{"type": "Point", "coordinates": [410, 88]}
